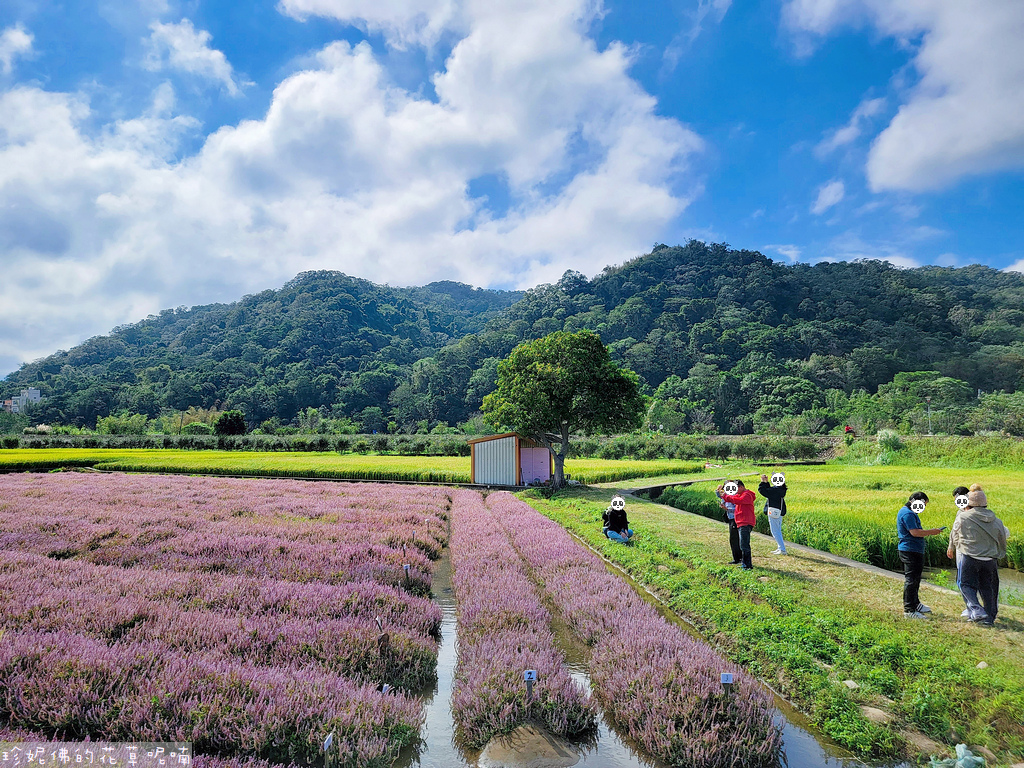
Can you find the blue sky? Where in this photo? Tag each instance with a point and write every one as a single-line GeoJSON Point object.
{"type": "Point", "coordinates": [157, 153]}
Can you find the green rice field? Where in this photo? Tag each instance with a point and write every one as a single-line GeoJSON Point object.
{"type": "Point", "coordinates": [422, 469]}
{"type": "Point", "coordinates": [851, 510]}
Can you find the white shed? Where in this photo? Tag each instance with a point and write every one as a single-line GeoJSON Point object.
{"type": "Point", "coordinates": [509, 460]}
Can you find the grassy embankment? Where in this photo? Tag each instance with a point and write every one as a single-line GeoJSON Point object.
{"type": "Point", "coordinates": [849, 507]}
{"type": "Point", "coordinates": [425, 469]}
{"type": "Point", "coordinates": [806, 625]}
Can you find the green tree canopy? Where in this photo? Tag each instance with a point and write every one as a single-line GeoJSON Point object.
{"type": "Point", "coordinates": [230, 423]}
{"type": "Point", "coordinates": [561, 385]}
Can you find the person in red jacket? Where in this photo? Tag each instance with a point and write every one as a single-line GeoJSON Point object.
{"type": "Point", "coordinates": [734, 492]}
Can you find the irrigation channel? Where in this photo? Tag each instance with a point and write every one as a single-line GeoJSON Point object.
{"type": "Point", "coordinates": [440, 747]}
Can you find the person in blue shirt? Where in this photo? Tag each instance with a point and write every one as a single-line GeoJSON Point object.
{"type": "Point", "coordinates": [911, 550]}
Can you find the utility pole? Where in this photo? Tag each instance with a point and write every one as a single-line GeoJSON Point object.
{"type": "Point", "coordinates": [929, 401]}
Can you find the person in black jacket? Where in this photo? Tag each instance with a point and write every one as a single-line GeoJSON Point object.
{"type": "Point", "coordinates": [774, 491]}
{"type": "Point", "coordinates": [616, 526]}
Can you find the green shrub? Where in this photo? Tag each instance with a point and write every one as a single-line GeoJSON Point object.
{"type": "Point", "coordinates": [720, 449]}
{"type": "Point", "coordinates": [888, 440]}
{"type": "Point", "coordinates": [611, 450]}
{"type": "Point", "coordinates": [586, 448]}
{"type": "Point", "coordinates": [197, 428]}
{"type": "Point", "coordinates": [752, 449]}
{"type": "Point", "coordinates": [230, 423]}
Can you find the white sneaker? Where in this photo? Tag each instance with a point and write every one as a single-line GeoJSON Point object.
{"type": "Point", "coordinates": [922, 608]}
{"type": "Point", "coordinates": [778, 552]}
{"type": "Point", "coordinates": [914, 615]}
{"type": "Point", "coordinates": [966, 613]}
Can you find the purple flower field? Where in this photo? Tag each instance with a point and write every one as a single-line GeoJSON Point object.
{"type": "Point", "coordinates": [503, 630]}
{"type": "Point", "coordinates": [240, 615]}
{"type": "Point", "coordinates": [661, 685]}
{"type": "Point", "coordinates": [275, 529]}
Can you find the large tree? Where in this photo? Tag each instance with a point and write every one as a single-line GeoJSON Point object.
{"type": "Point", "coordinates": [561, 385]}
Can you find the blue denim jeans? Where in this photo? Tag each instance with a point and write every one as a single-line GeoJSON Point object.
{"type": "Point", "coordinates": [775, 524]}
{"type": "Point", "coordinates": [974, 609]}
{"type": "Point", "coordinates": [744, 531]}
{"type": "Point", "coordinates": [616, 536]}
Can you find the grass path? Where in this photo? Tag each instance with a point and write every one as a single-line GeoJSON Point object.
{"type": "Point", "coordinates": [806, 623]}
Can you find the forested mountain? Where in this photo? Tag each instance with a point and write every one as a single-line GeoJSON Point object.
{"type": "Point", "coordinates": [726, 339]}
{"type": "Point", "coordinates": [323, 339]}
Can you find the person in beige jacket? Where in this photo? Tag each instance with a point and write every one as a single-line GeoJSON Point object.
{"type": "Point", "coordinates": [980, 537]}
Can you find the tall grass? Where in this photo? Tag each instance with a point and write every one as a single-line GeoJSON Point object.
{"type": "Point", "coordinates": [851, 510]}
{"type": "Point", "coordinates": [951, 452]}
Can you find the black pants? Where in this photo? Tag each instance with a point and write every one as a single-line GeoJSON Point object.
{"type": "Point", "coordinates": [981, 577]}
{"type": "Point", "coordinates": [913, 566]}
{"type": "Point", "coordinates": [744, 536]}
{"type": "Point", "coordinates": [734, 542]}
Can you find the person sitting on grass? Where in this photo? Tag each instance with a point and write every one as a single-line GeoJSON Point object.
{"type": "Point", "coordinates": [911, 551]}
{"type": "Point", "coordinates": [616, 526]}
{"type": "Point", "coordinates": [980, 537]}
{"type": "Point", "coordinates": [973, 611]}
{"type": "Point", "coordinates": [735, 492]}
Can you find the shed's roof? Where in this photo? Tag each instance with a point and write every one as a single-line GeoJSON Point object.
{"type": "Point", "coordinates": [492, 437]}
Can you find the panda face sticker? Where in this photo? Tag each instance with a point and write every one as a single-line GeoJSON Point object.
{"type": "Point", "coordinates": [778, 479]}
{"type": "Point", "coordinates": [618, 503]}
{"type": "Point", "coordinates": [731, 489]}
{"type": "Point", "coordinates": [961, 502]}
{"type": "Point", "coordinates": [917, 506]}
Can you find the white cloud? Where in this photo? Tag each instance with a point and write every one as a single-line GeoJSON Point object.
{"type": "Point", "coordinates": [402, 22]}
{"type": "Point", "coordinates": [828, 195]}
{"type": "Point", "coordinates": [965, 116]}
{"type": "Point", "coordinates": [181, 46]}
{"type": "Point", "coordinates": [346, 171]}
{"type": "Point", "coordinates": [714, 10]}
{"type": "Point", "coordinates": [849, 246]}
{"type": "Point", "coordinates": [14, 42]}
{"type": "Point", "coordinates": [853, 129]}
{"type": "Point", "coordinates": [1017, 266]}
{"type": "Point", "coordinates": [791, 252]}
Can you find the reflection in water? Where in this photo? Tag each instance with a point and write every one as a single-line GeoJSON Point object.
{"type": "Point", "coordinates": [606, 749]}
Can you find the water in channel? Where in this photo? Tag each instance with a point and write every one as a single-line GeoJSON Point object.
{"type": "Point", "coordinates": [608, 749]}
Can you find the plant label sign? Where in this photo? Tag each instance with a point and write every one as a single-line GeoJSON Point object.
{"type": "Point", "coordinates": [727, 682]}
{"type": "Point", "coordinates": [530, 676]}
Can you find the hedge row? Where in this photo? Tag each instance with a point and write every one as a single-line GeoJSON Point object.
{"type": "Point", "coordinates": [638, 447]}
{"type": "Point", "coordinates": [408, 445]}
{"type": "Point", "coordinates": [646, 447]}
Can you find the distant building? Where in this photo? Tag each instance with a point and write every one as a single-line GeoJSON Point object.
{"type": "Point", "coordinates": [19, 403]}
{"type": "Point", "coordinates": [509, 460]}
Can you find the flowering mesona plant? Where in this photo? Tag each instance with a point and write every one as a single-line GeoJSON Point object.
{"type": "Point", "coordinates": [660, 684]}
{"type": "Point", "coordinates": [275, 529]}
{"type": "Point", "coordinates": [239, 615]}
{"type": "Point", "coordinates": [503, 630]}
